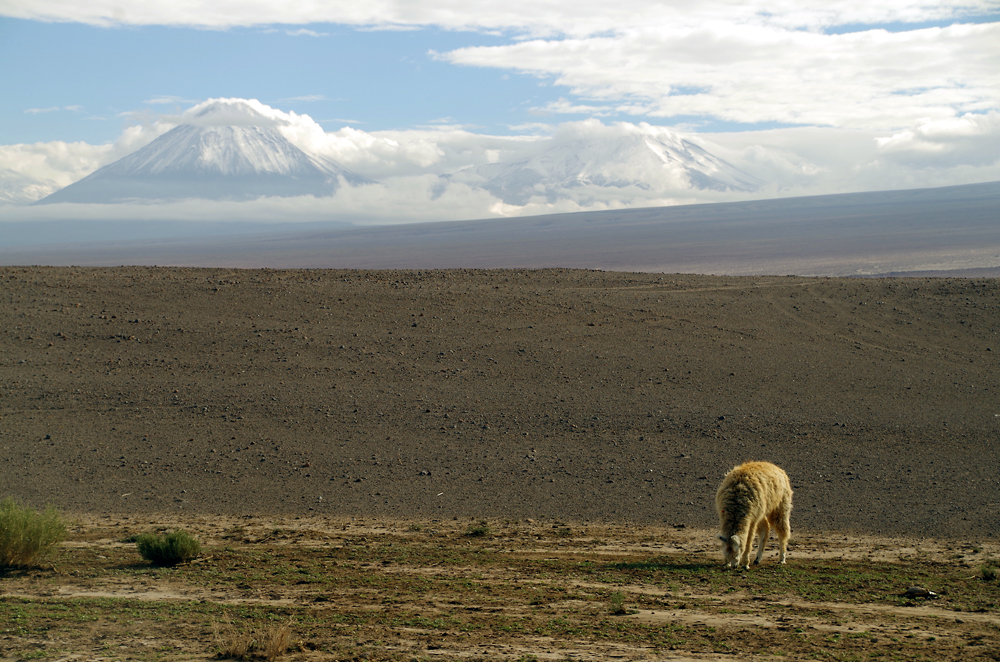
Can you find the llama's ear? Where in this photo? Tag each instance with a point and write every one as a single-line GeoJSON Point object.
{"type": "Point", "coordinates": [736, 540]}
{"type": "Point", "coordinates": [722, 537]}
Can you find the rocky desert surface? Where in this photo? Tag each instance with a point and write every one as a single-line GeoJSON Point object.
{"type": "Point", "coordinates": [570, 394]}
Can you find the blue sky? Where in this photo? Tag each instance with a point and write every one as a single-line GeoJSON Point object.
{"type": "Point", "coordinates": [97, 79]}
{"type": "Point", "coordinates": [376, 79]}
{"type": "Point", "coordinates": [816, 95]}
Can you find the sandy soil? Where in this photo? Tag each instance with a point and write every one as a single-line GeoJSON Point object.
{"type": "Point", "coordinates": [585, 396]}
{"type": "Point", "coordinates": [384, 589]}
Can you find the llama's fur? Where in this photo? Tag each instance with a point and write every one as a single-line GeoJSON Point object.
{"type": "Point", "coordinates": [754, 498]}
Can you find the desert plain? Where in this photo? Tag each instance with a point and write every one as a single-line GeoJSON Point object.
{"type": "Point", "coordinates": [471, 464]}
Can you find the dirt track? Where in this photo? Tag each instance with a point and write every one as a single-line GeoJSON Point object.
{"type": "Point", "coordinates": [566, 394]}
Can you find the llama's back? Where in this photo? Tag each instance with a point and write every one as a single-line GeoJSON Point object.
{"type": "Point", "coordinates": [752, 490]}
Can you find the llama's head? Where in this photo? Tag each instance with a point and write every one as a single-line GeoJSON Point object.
{"type": "Point", "coordinates": [731, 550]}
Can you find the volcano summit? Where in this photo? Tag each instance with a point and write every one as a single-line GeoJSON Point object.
{"type": "Point", "coordinates": [589, 157]}
{"type": "Point", "coordinates": [228, 149]}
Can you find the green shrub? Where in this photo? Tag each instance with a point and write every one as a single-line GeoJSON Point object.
{"type": "Point", "coordinates": [616, 604]}
{"type": "Point", "coordinates": [26, 535]}
{"type": "Point", "coordinates": [480, 530]}
{"type": "Point", "coordinates": [169, 549]}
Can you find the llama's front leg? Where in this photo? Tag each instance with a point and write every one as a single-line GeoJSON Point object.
{"type": "Point", "coordinates": [747, 548]}
{"type": "Point", "coordinates": [765, 532]}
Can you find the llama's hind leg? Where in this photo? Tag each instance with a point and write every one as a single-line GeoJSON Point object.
{"type": "Point", "coordinates": [764, 532]}
{"type": "Point", "coordinates": [783, 529]}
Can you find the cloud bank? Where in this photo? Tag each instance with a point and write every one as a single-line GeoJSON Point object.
{"type": "Point", "coordinates": [753, 74]}
{"type": "Point", "coordinates": [970, 140]}
{"type": "Point", "coordinates": [429, 174]}
{"type": "Point", "coordinates": [63, 163]}
{"type": "Point", "coordinates": [583, 18]}
{"type": "Point", "coordinates": [833, 63]}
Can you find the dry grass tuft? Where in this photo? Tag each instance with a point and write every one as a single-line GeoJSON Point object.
{"type": "Point", "coordinates": [264, 643]}
{"type": "Point", "coordinates": [275, 640]}
{"type": "Point", "coordinates": [27, 536]}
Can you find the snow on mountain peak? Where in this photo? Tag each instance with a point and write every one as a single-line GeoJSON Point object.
{"type": "Point", "coordinates": [222, 149]}
{"type": "Point", "coordinates": [234, 112]}
{"type": "Point", "coordinates": [242, 149]}
{"type": "Point", "coordinates": [621, 155]}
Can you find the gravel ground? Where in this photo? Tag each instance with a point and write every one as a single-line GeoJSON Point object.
{"type": "Point", "coordinates": [578, 395]}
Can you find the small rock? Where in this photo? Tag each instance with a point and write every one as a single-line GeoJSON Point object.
{"type": "Point", "coordinates": [920, 592]}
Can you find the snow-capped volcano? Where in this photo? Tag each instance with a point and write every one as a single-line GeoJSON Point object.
{"type": "Point", "coordinates": [592, 155]}
{"type": "Point", "coordinates": [225, 149]}
{"type": "Point", "coordinates": [19, 189]}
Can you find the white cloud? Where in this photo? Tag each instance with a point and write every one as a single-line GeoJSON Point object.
{"type": "Point", "coordinates": [381, 154]}
{"type": "Point", "coordinates": [404, 199]}
{"type": "Point", "coordinates": [815, 161]}
{"type": "Point", "coordinates": [407, 199]}
{"type": "Point", "coordinates": [339, 120]}
{"type": "Point", "coordinates": [66, 162]}
{"type": "Point", "coordinates": [52, 109]}
{"type": "Point", "coordinates": [750, 74]}
{"type": "Point", "coordinates": [582, 18]}
{"type": "Point", "coordinates": [539, 128]}
{"type": "Point", "coordinates": [770, 61]}
{"type": "Point", "coordinates": [409, 163]}
{"type": "Point", "coordinates": [799, 161]}
{"type": "Point", "coordinates": [305, 33]}
{"type": "Point", "coordinates": [377, 155]}
{"type": "Point", "coordinates": [565, 107]}
{"type": "Point", "coordinates": [168, 100]}
{"type": "Point", "coordinates": [306, 97]}
{"type": "Point", "coordinates": [231, 112]}
{"type": "Point", "coordinates": [968, 140]}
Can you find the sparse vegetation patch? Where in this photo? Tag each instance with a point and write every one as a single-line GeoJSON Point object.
{"type": "Point", "coordinates": [27, 536]}
{"type": "Point", "coordinates": [479, 530]}
{"type": "Point", "coordinates": [616, 604]}
{"type": "Point", "coordinates": [267, 642]}
{"type": "Point", "coordinates": [398, 592]}
{"type": "Point", "coordinates": [169, 549]}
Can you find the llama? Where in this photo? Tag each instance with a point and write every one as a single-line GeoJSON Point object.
{"type": "Point", "coordinates": [752, 499]}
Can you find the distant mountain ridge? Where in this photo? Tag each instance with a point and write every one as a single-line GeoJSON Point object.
{"type": "Point", "coordinates": [617, 159]}
{"type": "Point", "coordinates": [239, 149]}
{"type": "Point", "coordinates": [939, 231]}
{"type": "Point", "coordinates": [230, 151]}
{"type": "Point", "coordinates": [20, 189]}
